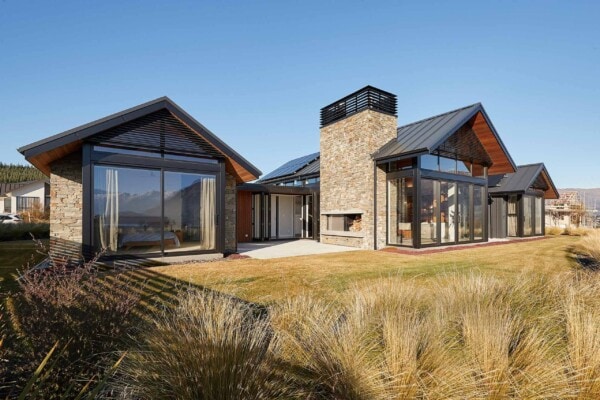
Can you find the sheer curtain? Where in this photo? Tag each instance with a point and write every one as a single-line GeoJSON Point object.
{"type": "Point", "coordinates": [109, 221]}
{"type": "Point", "coordinates": [208, 211]}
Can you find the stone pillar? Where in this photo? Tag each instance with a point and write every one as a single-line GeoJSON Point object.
{"type": "Point", "coordinates": [66, 199]}
{"type": "Point", "coordinates": [347, 175]}
{"type": "Point", "coordinates": [230, 214]}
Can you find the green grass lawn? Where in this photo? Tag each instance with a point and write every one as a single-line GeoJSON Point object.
{"type": "Point", "coordinates": [13, 255]}
{"type": "Point", "coordinates": [266, 281]}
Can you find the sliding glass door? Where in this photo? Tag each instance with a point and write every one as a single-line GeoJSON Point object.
{"type": "Point", "coordinates": [127, 209]}
{"type": "Point", "coordinates": [190, 211]}
{"type": "Point", "coordinates": [139, 210]}
{"type": "Point", "coordinates": [400, 211]}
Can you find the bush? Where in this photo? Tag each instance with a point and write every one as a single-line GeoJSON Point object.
{"type": "Point", "coordinates": [554, 230]}
{"type": "Point", "coordinates": [209, 347]}
{"type": "Point", "coordinates": [85, 310]}
{"type": "Point", "coordinates": [464, 337]}
{"type": "Point", "coordinates": [24, 231]}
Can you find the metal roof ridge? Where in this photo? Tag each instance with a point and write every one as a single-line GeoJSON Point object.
{"type": "Point", "coordinates": [439, 115]}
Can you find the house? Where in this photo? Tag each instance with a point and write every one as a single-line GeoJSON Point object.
{"type": "Point", "coordinates": [24, 196]}
{"type": "Point", "coordinates": [444, 180]}
{"type": "Point", "coordinates": [149, 180]}
{"type": "Point", "coordinates": [566, 211]}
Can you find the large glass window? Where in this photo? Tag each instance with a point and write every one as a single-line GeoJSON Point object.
{"type": "Point", "coordinates": [190, 211]}
{"type": "Point", "coordinates": [429, 210]}
{"type": "Point", "coordinates": [464, 212]}
{"type": "Point", "coordinates": [448, 211]}
{"type": "Point", "coordinates": [512, 216]}
{"type": "Point", "coordinates": [479, 208]}
{"type": "Point", "coordinates": [127, 209]}
{"type": "Point", "coordinates": [527, 216]}
{"type": "Point", "coordinates": [400, 211]}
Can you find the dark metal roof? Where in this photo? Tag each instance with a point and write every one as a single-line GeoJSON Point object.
{"type": "Point", "coordinates": [9, 187]}
{"type": "Point", "coordinates": [423, 136]}
{"type": "Point", "coordinates": [88, 130]}
{"type": "Point", "coordinates": [275, 189]}
{"type": "Point", "coordinates": [290, 168]}
{"type": "Point", "coordinates": [311, 169]}
{"type": "Point", "coordinates": [427, 135]}
{"type": "Point", "coordinates": [522, 180]}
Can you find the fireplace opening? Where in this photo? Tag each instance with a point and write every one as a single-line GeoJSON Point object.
{"type": "Point", "coordinates": [344, 222]}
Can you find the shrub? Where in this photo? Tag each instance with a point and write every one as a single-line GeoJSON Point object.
{"type": "Point", "coordinates": [209, 347]}
{"type": "Point", "coordinates": [589, 246]}
{"type": "Point", "coordinates": [85, 310]}
{"type": "Point", "coordinates": [554, 230]}
{"type": "Point", "coordinates": [24, 231]}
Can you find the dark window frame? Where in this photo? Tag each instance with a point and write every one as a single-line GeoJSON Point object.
{"type": "Point", "coordinates": [90, 158]}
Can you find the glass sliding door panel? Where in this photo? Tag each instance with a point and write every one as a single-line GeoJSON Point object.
{"type": "Point", "coordinates": [428, 211]}
{"type": "Point", "coordinates": [308, 216]}
{"type": "Point", "coordinates": [464, 212]}
{"type": "Point", "coordinates": [448, 212]}
{"type": "Point", "coordinates": [273, 208]}
{"type": "Point", "coordinates": [479, 207]}
{"type": "Point", "coordinates": [400, 211]}
{"type": "Point", "coordinates": [127, 210]}
{"type": "Point", "coordinates": [512, 216]}
{"type": "Point", "coordinates": [256, 216]}
{"type": "Point", "coordinates": [539, 222]}
{"type": "Point", "coordinates": [527, 215]}
{"type": "Point", "coordinates": [190, 211]}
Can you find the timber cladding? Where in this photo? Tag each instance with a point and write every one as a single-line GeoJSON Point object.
{"type": "Point", "coordinates": [244, 216]}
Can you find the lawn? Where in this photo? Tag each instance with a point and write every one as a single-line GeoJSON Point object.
{"type": "Point", "coordinates": [266, 281]}
{"type": "Point", "coordinates": [13, 255]}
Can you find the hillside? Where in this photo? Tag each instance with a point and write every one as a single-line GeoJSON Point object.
{"type": "Point", "coordinates": [11, 173]}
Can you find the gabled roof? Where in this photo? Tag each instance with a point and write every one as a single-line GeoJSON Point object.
{"type": "Point", "coordinates": [43, 152]}
{"type": "Point", "coordinates": [426, 135]}
{"type": "Point", "coordinates": [6, 188]}
{"type": "Point", "coordinates": [296, 167]}
{"type": "Point", "coordinates": [27, 186]}
{"type": "Point", "coordinates": [526, 177]}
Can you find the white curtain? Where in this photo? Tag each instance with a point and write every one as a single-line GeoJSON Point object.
{"type": "Point", "coordinates": [208, 212]}
{"type": "Point", "coordinates": [109, 221]}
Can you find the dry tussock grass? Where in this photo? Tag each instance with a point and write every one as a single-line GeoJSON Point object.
{"type": "Point", "coordinates": [471, 336]}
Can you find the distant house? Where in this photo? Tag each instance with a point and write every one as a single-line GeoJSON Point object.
{"type": "Point", "coordinates": [24, 196]}
{"type": "Point", "coordinates": [565, 211]}
{"type": "Point", "coordinates": [444, 180]}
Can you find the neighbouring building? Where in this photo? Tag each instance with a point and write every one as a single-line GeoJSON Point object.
{"type": "Point", "coordinates": [565, 211]}
{"type": "Point", "coordinates": [444, 180]}
{"type": "Point", "coordinates": [21, 197]}
{"type": "Point", "coordinates": [150, 180]}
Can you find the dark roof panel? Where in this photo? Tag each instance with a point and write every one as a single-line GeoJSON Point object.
{"type": "Point", "coordinates": [291, 167]}
{"type": "Point", "coordinates": [521, 180]}
{"type": "Point", "coordinates": [424, 135]}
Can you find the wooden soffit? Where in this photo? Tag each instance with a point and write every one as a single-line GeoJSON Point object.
{"type": "Point", "coordinates": [501, 160]}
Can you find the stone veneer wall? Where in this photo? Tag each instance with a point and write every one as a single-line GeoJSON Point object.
{"type": "Point", "coordinates": [66, 199]}
{"type": "Point", "coordinates": [347, 181]}
{"type": "Point", "coordinates": [230, 214]}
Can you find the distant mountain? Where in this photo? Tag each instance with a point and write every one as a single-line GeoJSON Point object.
{"type": "Point", "coordinates": [591, 197]}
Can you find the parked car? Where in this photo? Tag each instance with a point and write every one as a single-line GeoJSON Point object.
{"type": "Point", "coordinates": [10, 219]}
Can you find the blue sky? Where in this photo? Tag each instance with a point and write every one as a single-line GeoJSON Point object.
{"type": "Point", "coordinates": [257, 73]}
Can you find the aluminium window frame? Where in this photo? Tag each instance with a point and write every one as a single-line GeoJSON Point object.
{"type": "Point", "coordinates": [91, 158]}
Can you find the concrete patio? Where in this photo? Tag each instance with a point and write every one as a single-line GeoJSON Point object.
{"type": "Point", "coordinates": [288, 248]}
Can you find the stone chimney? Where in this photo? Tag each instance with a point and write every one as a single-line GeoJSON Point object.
{"type": "Point", "coordinates": [352, 129]}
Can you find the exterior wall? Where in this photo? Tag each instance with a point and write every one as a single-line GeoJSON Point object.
{"type": "Point", "coordinates": [66, 199]}
{"type": "Point", "coordinates": [347, 175]}
{"type": "Point", "coordinates": [244, 216]}
{"type": "Point", "coordinates": [230, 214]}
